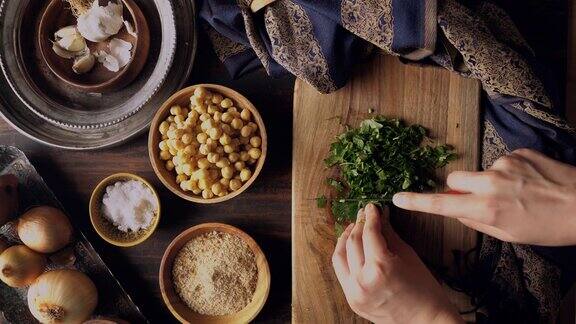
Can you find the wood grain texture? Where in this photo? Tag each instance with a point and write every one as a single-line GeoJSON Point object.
{"type": "Point", "coordinates": [445, 103]}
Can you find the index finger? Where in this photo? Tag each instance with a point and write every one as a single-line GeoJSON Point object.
{"type": "Point", "coordinates": [449, 205]}
{"type": "Point", "coordinates": [375, 245]}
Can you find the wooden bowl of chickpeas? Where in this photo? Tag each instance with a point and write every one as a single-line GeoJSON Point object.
{"type": "Point", "coordinates": [207, 143]}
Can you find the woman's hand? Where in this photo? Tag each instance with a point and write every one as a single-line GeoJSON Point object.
{"type": "Point", "coordinates": [525, 197]}
{"type": "Point", "coordinates": [382, 277]}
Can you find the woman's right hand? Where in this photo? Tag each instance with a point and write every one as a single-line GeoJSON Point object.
{"type": "Point", "coordinates": [524, 197]}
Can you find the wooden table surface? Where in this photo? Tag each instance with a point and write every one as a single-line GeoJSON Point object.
{"type": "Point", "coordinates": [263, 211]}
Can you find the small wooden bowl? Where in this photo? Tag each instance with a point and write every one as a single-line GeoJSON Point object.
{"type": "Point", "coordinates": [186, 315]}
{"type": "Point", "coordinates": [182, 98]}
{"type": "Point", "coordinates": [99, 79]}
{"type": "Point", "coordinates": [107, 231]}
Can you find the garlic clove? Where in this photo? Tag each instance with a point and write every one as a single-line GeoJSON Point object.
{"type": "Point", "coordinates": [72, 43]}
{"type": "Point", "coordinates": [62, 52]}
{"type": "Point", "coordinates": [109, 61]}
{"type": "Point", "coordinates": [65, 32]}
{"type": "Point", "coordinates": [83, 64]}
{"type": "Point", "coordinates": [120, 49]}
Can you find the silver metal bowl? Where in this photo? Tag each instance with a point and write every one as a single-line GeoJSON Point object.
{"type": "Point", "coordinates": [41, 107]}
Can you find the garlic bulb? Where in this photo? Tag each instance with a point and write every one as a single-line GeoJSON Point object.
{"type": "Point", "coordinates": [44, 229]}
{"type": "Point", "coordinates": [101, 22]}
{"type": "Point", "coordinates": [19, 266]}
{"type": "Point", "coordinates": [62, 296]}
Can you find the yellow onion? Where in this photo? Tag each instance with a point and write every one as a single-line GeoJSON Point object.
{"type": "Point", "coordinates": [19, 265]}
{"type": "Point", "coordinates": [62, 296]}
{"type": "Point", "coordinates": [45, 229]}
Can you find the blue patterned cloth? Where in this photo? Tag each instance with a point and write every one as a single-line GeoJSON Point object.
{"type": "Point", "coordinates": [321, 41]}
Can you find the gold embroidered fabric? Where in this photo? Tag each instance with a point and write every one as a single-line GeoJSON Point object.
{"type": "Point", "coordinates": [370, 19]}
{"type": "Point", "coordinates": [253, 35]}
{"type": "Point", "coordinates": [294, 45]}
{"type": "Point", "coordinates": [500, 69]}
{"type": "Point", "coordinates": [531, 109]}
{"type": "Point", "coordinates": [223, 46]}
{"type": "Point", "coordinates": [502, 26]}
{"type": "Point", "coordinates": [493, 146]}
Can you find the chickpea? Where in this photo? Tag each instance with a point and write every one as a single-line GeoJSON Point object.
{"type": "Point", "coordinates": [179, 145]}
{"type": "Point", "coordinates": [235, 184]}
{"type": "Point", "coordinates": [205, 117]}
{"type": "Point", "coordinates": [186, 138]}
{"type": "Point", "coordinates": [228, 149]}
{"type": "Point", "coordinates": [252, 161]}
{"type": "Point", "coordinates": [165, 155]}
{"type": "Point", "coordinates": [225, 139]}
{"type": "Point", "coordinates": [225, 182]}
{"type": "Point", "coordinates": [215, 133]}
{"type": "Point", "coordinates": [245, 174]}
{"type": "Point", "coordinates": [223, 193]}
{"type": "Point", "coordinates": [213, 157]}
{"type": "Point", "coordinates": [201, 138]}
{"type": "Point", "coordinates": [193, 114]}
{"type": "Point", "coordinates": [212, 109]}
{"type": "Point", "coordinates": [207, 194]}
{"type": "Point", "coordinates": [190, 150]}
{"type": "Point", "coordinates": [223, 162]}
{"type": "Point", "coordinates": [217, 116]}
{"type": "Point", "coordinates": [200, 92]}
{"type": "Point", "coordinates": [255, 141]}
{"type": "Point", "coordinates": [217, 98]}
{"type": "Point", "coordinates": [246, 131]}
{"type": "Point", "coordinates": [233, 157]}
{"type": "Point", "coordinates": [226, 129]}
{"type": "Point", "coordinates": [244, 156]}
{"type": "Point", "coordinates": [239, 165]}
{"type": "Point", "coordinates": [227, 117]}
{"type": "Point", "coordinates": [254, 153]}
{"type": "Point", "coordinates": [204, 149]}
{"type": "Point", "coordinates": [170, 119]}
{"type": "Point", "coordinates": [244, 141]}
{"type": "Point", "coordinates": [200, 174]}
{"type": "Point", "coordinates": [203, 163]}
{"type": "Point", "coordinates": [196, 191]}
{"type": "Point", "coordinates": [176, 110]}
{"type": "Point", "coordinates": [178, 169]}
{"type": "Point", "coordinates": [186, 185]}
{"type": "Point", "coordinates": [201, 109]}
{"type": "Point", "coordinates": [172, 151]}
{"type": "Point", "coordinates": [227, 172]}
{"type": "Point", "coordinates": [176, 160]}
{"type": "Point", "coordinates": [216, 188]}
{"type": "Point", "coordinates": [179, 120]}
{"type": "Point", "coordinates": [170, 165]}
{"type": "Point", "coordinates": [245, 114]}
{"type": "Point", "coordinates": [163, 128]}
{"type": "Point", "coordinates": [208, 124]}
{"type": "Point", "coordinates": [203, 184]}
{"type": "Point", "coordinates": [164, 137]}
{"type": "Point", "coordinates": [171, 133]}
{"type": "Point", "coordinates": [237, 123]}
{"type": "Point", "coordinates": [213, 174]}
{"type": "Point", "coordinates": [234, 111]}
{"type": "Point", "coordinates": [187, 169]}
{"type": "Point", "coordinates": [226, 103]}
{"type": "Point", "coordinates": [163, 146]}
{"type": "Point", "coordinates": [220, 150]}
{"type": "Point", "coordinates": [180, 178]}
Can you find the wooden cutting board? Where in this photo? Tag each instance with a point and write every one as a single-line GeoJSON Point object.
{"type": "Point", "coordinates": [444, 103]}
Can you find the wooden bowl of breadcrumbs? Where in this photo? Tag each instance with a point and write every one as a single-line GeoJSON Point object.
{"type": "Point", "coordinates": [214, 273]}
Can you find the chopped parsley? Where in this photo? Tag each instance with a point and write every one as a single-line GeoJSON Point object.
{"type": "Point", "coordinates": [378, 159]}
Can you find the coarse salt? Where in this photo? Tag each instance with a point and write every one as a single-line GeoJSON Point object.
{"type": "Point", "coordinates": [129, 205]}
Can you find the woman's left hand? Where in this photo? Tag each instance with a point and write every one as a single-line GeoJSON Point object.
{"type": "Point", "coordinates": [382, 277]}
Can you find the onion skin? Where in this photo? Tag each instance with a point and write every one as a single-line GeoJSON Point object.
{"type": "Point", "coordinates": [62, 296]}
{"type": "Point", "coordinates": [20, 266]}
{"type": "Point", "coordinates": [45, 229]}
{"type": "Point", "coordinates": [8, 197]}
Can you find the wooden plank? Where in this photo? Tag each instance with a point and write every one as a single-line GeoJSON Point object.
{"type": "Point", "coordinates": [445, 103]}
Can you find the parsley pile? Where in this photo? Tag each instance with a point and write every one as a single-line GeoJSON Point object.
{"type": "Point", "coordinates": [378, 159]}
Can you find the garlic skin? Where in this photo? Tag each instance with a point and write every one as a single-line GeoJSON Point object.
{"type": "Point", "coordinates": [101, 22]}
{"type": "Point", "coordinates": [45, 229]}
{"type": "Point", "coordinates": [62, 296]}
{"type": "Point", "coordinates": [109, 61]}
{"type": "Point", "coordinates": [19, 266]}
{"type": "Point", "coordinates": [120, 49]}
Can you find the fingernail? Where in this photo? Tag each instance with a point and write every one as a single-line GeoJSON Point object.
{"type": "Point", "coordinates": [371, 208]}
{"type": "Point", "coordinates": [399, 199]}
{"type": "Point", "coordinates": [361, 216]}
